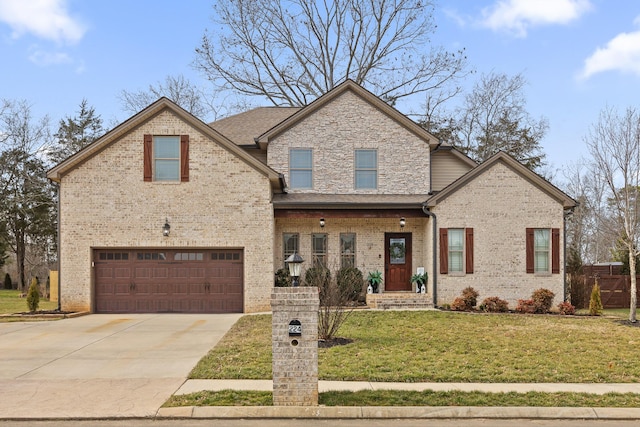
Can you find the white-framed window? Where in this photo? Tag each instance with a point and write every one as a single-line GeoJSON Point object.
{"type": "Point", "coordinates": [347, 250]}
{"type": "Point", "coordinates": [541, 250]}
{"type": "Point", "coordinates": [456, 250]}
{"type": "Point", "coordinates": [301, 168]}
{"type": "Point", "coordinates": [166, 158]}
{"type": "Point", "coordinates": [366, 169]}
{"type": "Point", "coordinates": [319, 249]}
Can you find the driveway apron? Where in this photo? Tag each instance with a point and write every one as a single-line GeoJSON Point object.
{"type": "Point", "coordinates": [101, 365]}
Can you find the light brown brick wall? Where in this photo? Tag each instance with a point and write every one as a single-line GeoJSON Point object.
{"type": "Point", "coordinates": [370, 240]}
{"type": "Point", "coordinates": [105, 203]}
{"type": "Point", "coordinates": [499, 204]}
{"type": "Point", "coordinates": [336, 130]}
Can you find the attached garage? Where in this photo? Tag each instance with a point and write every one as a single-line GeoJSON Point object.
{"type": "Point", "coordinates": [168, 281]}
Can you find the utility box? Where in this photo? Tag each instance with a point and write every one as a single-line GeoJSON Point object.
{"type": "Point", "coordinates": [295, 345]}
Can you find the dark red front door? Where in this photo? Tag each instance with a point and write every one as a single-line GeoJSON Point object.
{"type": "Point", "coordinates": [397, 262]}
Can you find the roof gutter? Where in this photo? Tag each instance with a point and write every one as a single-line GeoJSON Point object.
{"type": "Point", "coordinates": [434, 270]}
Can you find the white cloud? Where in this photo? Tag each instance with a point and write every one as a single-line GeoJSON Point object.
{"type": "Point", "coordinates": [622, 53]}
{"type": "Point", "coordinates": [517, 16]}
{"type": "Point", "coordinates": [47, 19]}
{"type": "Point", "coordinates": [44, 59]}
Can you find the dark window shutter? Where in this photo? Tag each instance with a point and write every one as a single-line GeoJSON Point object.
{"type": "Point", "coordinates": [148, 160]}
{"type": "Point", "coordinates": [555, 250]}
{"type": "Point", "coordinates": [529, 250]}
{"type": "Point", "coordinates": [184, 158]}
{"type": "Point", "coordinates": [444, 251]}
{"type": "Point", "coordinates": [468, 256]}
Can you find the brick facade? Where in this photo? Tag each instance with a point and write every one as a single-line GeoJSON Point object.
{"type": "Point", "coordinates": [339, 128]}
{"type": "Point", "coordinates": [499, 205]}
{"type": "Point", "coordinates": [106, 204]}
{"type": "Point", "coordinates": [370, 240]}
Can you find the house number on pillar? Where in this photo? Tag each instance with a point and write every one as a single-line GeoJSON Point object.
{"type": "Point", "coordinates": [295, 328]}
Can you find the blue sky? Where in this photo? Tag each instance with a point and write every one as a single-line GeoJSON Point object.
{"type": "Point", "coordinates": [578, 56]}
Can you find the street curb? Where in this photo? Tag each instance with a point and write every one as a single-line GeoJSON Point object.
{"type": "Point", "coordinates": [395, 412]}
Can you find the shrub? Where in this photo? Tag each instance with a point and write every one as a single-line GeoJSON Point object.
{"type": "Point", "coordinates": [7, 281]}
{"type": "Point", "coordinates": [283, 278]}
{"type": "Point", "coordinates": [566, 309]}
{"type": "Point", "coordinates": [317, 276]}
{"type": "Point", "coordinates": [350, 281]}
{"type": "Point", "coordinates": [470, 297]}
{"type": "Point", "coordinates": [526, 306]}
{"type": "Point", "coordinates": [458, 304]}
{"type": "Point", "coordinates": [335, 306]}
{"type": "Point", "coordinates": [595, 303]}
{"type": "Point", "coordinates": [33, 295]}
{"type": "Point", "coordinates": [494, 305]}
{"type": "Point", "coordinates": [467, 301]}
{"type": "Point", "coordinates": [542, 300]}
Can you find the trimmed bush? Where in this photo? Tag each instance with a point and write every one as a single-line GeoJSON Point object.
{"type": "Point", "coordinates": [494, 305]}
{"type": "Point", "coordinates": [350, 281]}
{"type": "Point", "coordinates": [283, 278]}
{"type": "Point", "coordinates": [467, 301]}
{"type": "Point", "coordinates": [595, 303]}
{"type": "Point", "coordinates": [526, 306]}
{"type": "Point", "coordinates": [7, 281]}
{"type": "Point", "coordinates": [566, 309]}
{"type": "Point", "coordinates": [33, 295]}
{"type": "Point", "coordinates": [542, 300]}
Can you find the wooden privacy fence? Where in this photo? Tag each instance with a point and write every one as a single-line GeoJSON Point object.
{"type": "Point", "coordinates": [615, 288]}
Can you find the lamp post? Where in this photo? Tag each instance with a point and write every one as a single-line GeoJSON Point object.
{"type": "Point", "coordinates": [294, 262]}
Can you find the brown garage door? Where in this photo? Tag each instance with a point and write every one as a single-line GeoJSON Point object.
{"type": "Point", "coordinates": [168, 281]}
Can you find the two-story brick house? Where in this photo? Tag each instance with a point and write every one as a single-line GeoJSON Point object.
{"type": "Point", "coordinates": [167, 213]}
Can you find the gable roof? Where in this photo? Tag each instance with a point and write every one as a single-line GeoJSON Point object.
{"type": "Point", "coordinates": [502, 157]}
{"type": "Point", "coordinates": [369, 97]}
{"type": "Point", "coordinates": [162, 104]}
{"type": "Point", "coordinates": [244, 127]}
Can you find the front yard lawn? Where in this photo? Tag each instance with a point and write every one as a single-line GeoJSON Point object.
{"type": "Point", "coordinates": [11, 302]}
{"type": "Point", "coordinates": [433, 346]}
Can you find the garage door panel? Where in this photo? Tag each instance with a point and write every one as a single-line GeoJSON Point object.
{"type": "Point", "coordinates": [145, 280]}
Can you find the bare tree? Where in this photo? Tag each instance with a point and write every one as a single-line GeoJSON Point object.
{"type": "Point", "coordinates": [293, 51]}
{"type": "Point", "coordinates": [494, 118]}
{"type": "Point", "coordinates": [178, 89]}
{"type": "Point", "coordinates": [27, 208]}
{"type": "Point", "coordinates": [614, 144]}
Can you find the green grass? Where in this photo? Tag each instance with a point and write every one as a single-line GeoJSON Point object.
{"type": "Point", "coordinates": [10, 302]}
{"type": "Point", "coordinates": [433, 346]}
{"type": "Point", "coordinates": [415, 398]}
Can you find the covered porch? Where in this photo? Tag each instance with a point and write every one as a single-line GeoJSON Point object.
{"type": "Point", "coordinates": [386, 233]}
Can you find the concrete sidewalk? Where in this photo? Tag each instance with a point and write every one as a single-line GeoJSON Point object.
{"type": "Point", "coordinates": [408, 412]}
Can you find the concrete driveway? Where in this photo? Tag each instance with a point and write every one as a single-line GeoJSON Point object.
{"type": "Point", "coordinates": [101, 365]}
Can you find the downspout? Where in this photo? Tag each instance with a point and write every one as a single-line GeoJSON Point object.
{"type": "Point", "coordinates": [57, 185]}
{"type": "Point", "coordinates": [566, 215]}
{"type": "Point", "coordinates": [427, 212]}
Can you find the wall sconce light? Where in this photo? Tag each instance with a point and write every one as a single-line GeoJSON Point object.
{"type": "Point", "coordinates": [321, 222]}
{"type": "Point", "coordinates": [166, 228]}
{"type": "Point", "coordinates": [403, 222]}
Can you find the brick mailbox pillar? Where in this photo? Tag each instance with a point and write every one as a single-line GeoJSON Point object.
{"type": "Point", "coordinates": [295, 346]}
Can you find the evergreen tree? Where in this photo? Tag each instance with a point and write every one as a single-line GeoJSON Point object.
{"type": "Point", "coordinates": [75, 133]}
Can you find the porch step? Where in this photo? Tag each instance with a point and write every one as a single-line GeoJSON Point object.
{"type": "Point", "coordinates": [399, 301]}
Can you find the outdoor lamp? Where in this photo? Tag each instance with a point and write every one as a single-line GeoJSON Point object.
{"type": "Point", "coordinates": [166, 228]}
{"type": "Point", "coordinates": [321, 222]}
{"type": "Point", "coordinates": [294, 262]}
{"type": "Point", "coordinates": [402, 222]}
